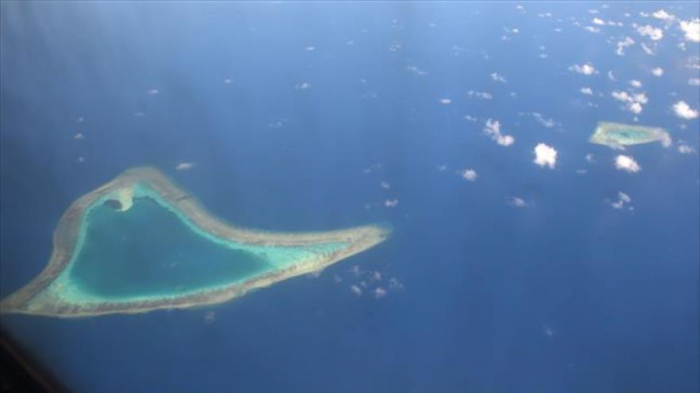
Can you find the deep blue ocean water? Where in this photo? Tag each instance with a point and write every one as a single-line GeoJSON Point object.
{"type": "Point", "coordinates": [294, 114]}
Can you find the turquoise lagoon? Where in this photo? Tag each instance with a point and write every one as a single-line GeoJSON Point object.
{"type": "Point", "coordinates": [152, 250]}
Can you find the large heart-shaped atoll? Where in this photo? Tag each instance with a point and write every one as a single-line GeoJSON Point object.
{"type": "Point", "coordinates": [140, 243]}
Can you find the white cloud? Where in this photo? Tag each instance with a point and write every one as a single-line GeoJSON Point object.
{"type": "Point", "coordinates": [517, 202]}
{"type": "Point", "coordinates": [185, 166]}
{"type": "Point", "coordinates": [635, 108]}
{"type": "Point", "coordinates": [691, 29]}
{"type": "Point", "coordinates": [683, 110]}
{"type": "Point", "coordinates": [468, 174]}
{"type": "Point", "coordinates": [592, 29]}
{"type": "Point", "coordinates": [623, 200]}
{"type": "Point", "coordinates": [635, 83]}
{"type": "Point", "coordinates": [658, 71]}
{"type": "Point", "coordinates": [391, 203]}
{"type": "Point", "coordinates": [379, 292]}
{"type": "Point", "coordinates": [356, 290]}
{"type": "Point", "coordinates": [663, 15]}
{"type": "Point", "coordinates": [694, 81]}
{"type": "Point", "coordinates": [620, 95]}
{"type": "Point", "coordinates": [549, 123]}
{"type": "Point", "coordinates": [649, 51]}
{"type": "Point", "coordinates": [611, 76]}
{"type": "Point", "coordinates": [685, 148]}
{"type": "Point", "coordinates": [634, 101]}
{"type": "Point", "coordinates": [445, 101]}
{"type": "Point", "coordinates": [597, 21]}
{"type": "Point", "coordinates": [622, 45]}
{"type": "Point", "coordinates": [493, 130]}
{"type": "Point", "coordinates": [480, 94]}
{"type": "Point", "coordinates": [627, 163]}
{"type": "Point", "coordinates": [585, 69]}
{"type": "Point", "coordinates": [587, 91]}
{"type": "Point", "coordinates": [545, 156]}
{"type": "Point", "coordinates": [416, 71]}
{"type": "Point", "coordinates": [650, 31]}
{"type": "Point", "coordinates": [498, 77]}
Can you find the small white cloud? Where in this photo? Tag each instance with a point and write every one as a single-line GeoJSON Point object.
{"type": "Point", "coordinates": [635, 83]}
{"type": "Point", "coordinates": [445, 101]}
{"type": "Point", "coordinates": [694, 81]}
{"type": "Point", "coordinates": [658, 71]}
{"type": "Point", "coordinates": [517, 202]}
{"type": "Point", "coordinates": [598, 21]}
{"type": "Point", "coordinates": [185, 166]}
{"type": "Point", "coordinates": [470, 118]}
{"type": "Point", "coordinates": [621, 96]}
{"type": "Point", "coordinates": [587, 91]}
{"type": "Point", "coordinates": [385, 185]}
{"type": "Point", "coordinates": [545, 156]}
{"type": "Point", "coordinates": [415, 70]}
{"type": "Point", "coordinates": [79, 136]}
{"type": "Point", "coordinates": [302, 86]}
{"type": "Point", "coordinates": [493, 130]}
{"type": "Point", "coordinates": [549, 123]}
{"type": "Point", "coordinates": [627, 163]}
{"type": "Point", "coordinates": [683, 110]}
{"type": "Point", "coordinates": [634, 101]}
{"type": "Point", "coordinates": [153, 92]}
{"type": "Point", "coordinates": [356, 290]}
{"type": "Point", "coordinates": [691, 29]}
{"type": "Point", "coordinates": [650, 31]}
{"type": "Point", "coordinates": [585, 69]}
{"type": "Point", "coordinates": [685, 148]}
{"type": "Point", "coordinates": [391, 203]}
{"type": "Point", "coordinates": [621, 46]}
{"type": "Point", "coordinates": [468, 174]}
{"type": "Point", "coordinates": [649, 51]}
{"type": "Point", "coordinates": [664, 16]}
{"type": "Point", "coordinates": [379, 293]}
{"type": "Point", "coordinates": [590, 158]}
{"type": "Point", "coordinates": [623, 200]}
{"type": "Point", "coordinates": [635, 108]}
{"type": "Point", "coordinates": [592, 29]}
{"type": "Point", "coordinates": [480, 94]}
{"type": "Point", "coordinates": [611, 76]}
{"type": "Point", "coordinates": [498, 77]}
{"type": "Point", "coordinates": [395, 284]}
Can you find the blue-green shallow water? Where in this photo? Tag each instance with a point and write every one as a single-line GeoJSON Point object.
{"type": "Point", "coordinates": [147, 250]}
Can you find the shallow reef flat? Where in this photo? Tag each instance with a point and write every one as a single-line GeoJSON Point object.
{"type": "Point", "coordinates": [619, 134]}
{"type": "Point", "coordinates": [140, 243]}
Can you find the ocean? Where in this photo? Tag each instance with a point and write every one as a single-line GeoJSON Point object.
{"type": "Point", "coordinates": [501, 274]}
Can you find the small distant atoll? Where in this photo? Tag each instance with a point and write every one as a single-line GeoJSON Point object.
{"type": "Point", "coordinates": [55, 291]}
{"type": "Point", "coordinates": [616, 135]}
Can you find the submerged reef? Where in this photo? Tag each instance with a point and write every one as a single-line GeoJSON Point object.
{"type": "Point", "coordinates": [616, 135]}
{"type": "Point", "coordinates": [140, 243]}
